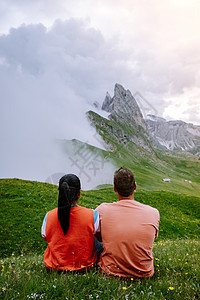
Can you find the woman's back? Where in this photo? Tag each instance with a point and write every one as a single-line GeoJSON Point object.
{"type": "Point", "coordinates": [76, 249]}
{"type": "Point", "coordinates": [69, 229]}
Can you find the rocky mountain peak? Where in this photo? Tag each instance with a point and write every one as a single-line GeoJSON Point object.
{"type": "Point", "coordinates": [124, 106]}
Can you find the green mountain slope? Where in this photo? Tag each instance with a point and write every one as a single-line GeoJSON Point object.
{"type": "Point", "coordinates": [149, 165]}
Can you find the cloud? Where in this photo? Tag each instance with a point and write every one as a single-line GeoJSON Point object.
{"type": "Point", "coordinates": [159, 41]}
{"type": "Point", "coordinates": [46, 89]}
{"type": "Point", "coordinates": [189, 106]}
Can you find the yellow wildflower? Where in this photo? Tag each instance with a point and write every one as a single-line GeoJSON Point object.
{"type": "Point", "coordinates": [171, 288]}
{"type": "Point", "coordinates": [124, 288]}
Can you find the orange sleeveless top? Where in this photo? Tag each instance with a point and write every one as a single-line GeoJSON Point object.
{"type": "Point", "coordinates": [75, 250]}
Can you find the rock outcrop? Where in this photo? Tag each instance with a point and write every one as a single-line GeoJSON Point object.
{"type": "Point", "coordinates": [174, 135]}
{"type": "Point", "coordinates": [125, 124]}
{"type": "Point", "coordinates": [124, 106]}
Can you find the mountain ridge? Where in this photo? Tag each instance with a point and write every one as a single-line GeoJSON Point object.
{"type": "Point", "coordinates": [154, 131]}
{"type": "Point", "coordinates": [174, 134]}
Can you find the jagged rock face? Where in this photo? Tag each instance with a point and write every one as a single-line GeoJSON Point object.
{"type": "Point", "coordinates": [107, 104]}
{"type": "Point", "coordinates": [126, 123]}
{"type": "Point", "coordinates": [124, 106]}
{"type": "Point", "coordinates": [174, 135]}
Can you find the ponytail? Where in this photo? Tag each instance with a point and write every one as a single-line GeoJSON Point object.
{"type": "Point", "coordinates": [69, 187]}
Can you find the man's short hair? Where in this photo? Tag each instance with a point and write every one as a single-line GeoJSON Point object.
{"type": "Point", "coordinates": [124, 182]}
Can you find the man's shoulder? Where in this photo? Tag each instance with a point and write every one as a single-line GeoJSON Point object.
{"type": "Point", "coordinates": [150, 208]}
{"type": "Point", "coordinates": [153, 209]}
{"type": "Point", "coordinates": [152, 212]}
{"type": "Point", "coordinates": [104, 205]}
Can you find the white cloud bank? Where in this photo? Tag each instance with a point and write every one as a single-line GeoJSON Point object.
{"type": "Point", "coordinates": [46, 88]}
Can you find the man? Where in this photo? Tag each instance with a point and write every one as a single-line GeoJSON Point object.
{"type": "Point", "coordinates": [128, 229]}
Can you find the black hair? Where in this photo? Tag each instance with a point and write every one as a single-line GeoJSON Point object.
{"type": "Point", "coordinates": [69, 187]}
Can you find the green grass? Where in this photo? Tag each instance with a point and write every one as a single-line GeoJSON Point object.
{"type": "Point", "coordinates": [176, 277]}
{"type": "Point", "coordinates": [23, 276]}
{"type": "Point", "coordinates": [25, 203]}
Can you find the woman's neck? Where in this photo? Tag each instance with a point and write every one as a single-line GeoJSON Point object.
{"type": "Point", "coordinates": [74, 204]}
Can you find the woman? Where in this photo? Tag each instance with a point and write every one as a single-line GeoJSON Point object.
{"type": "Point", "coordinates": [69, 230]}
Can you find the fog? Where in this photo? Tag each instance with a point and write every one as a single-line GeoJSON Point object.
{"type": "Point", "coordinates": [43, 99]}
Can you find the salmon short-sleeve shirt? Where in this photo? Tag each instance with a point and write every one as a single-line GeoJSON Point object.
{"type": "Point", "coordinates": [128, 229]}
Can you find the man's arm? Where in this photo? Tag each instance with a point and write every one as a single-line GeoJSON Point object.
{"type": "Point", "coordinates": [158, 222]}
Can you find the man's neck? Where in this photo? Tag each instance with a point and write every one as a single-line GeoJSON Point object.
{"type": "Point", "coordinates": [131, 197]}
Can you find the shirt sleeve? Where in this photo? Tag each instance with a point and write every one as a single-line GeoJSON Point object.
{"type": "Point", "coordinates": [43, 229]}
{"type": "Point", "coordinates": [96, 221]}
{"type": "Point", "coordinates": [157, 225]}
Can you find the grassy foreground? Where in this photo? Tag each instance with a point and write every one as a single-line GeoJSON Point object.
{"type": "Point", "coordinates": [176, 277]}
{"type": "Point", "coordinates": [23, 275]}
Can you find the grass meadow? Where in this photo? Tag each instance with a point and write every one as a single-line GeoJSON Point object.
{"type": "Point", "coordinates": [23, 274]}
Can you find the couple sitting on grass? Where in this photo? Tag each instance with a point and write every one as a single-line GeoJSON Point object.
{"type": "Point", "coordinates": [117, 236]}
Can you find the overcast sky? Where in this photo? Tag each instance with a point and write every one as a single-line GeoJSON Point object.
{"type": "Point", "coordinates": [58, 57]}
